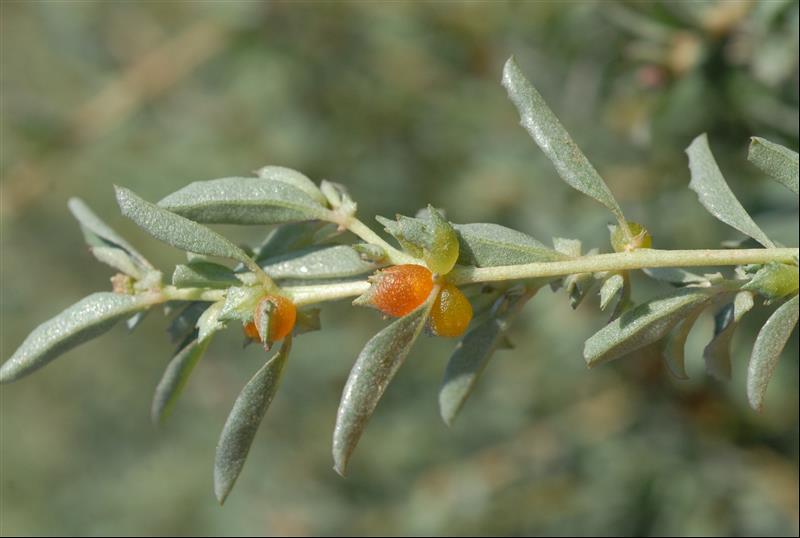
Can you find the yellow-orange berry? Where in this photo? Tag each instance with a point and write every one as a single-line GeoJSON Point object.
{"type": "Point", "coordinates": [282, 317]}
{"type": "Point", "coordinates": [400, 289]}
{"type": "Point", "coordinates": [451, 312]}
{"type": "Point", "coordinates": [251, 331]}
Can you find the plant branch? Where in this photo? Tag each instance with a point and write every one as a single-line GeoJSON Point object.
{"type": "Point", "coordinates": [171, 293]}
{"type": "Point", "coordinates": [305, 295]}
{"type": "Point", "coordinates": [638, 259]}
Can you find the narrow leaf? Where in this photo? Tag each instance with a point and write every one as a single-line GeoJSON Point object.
{"type": "Point", "coordinates": [676, 276]}
{"type": "Point", "coordinates": [488, 245]}
{"type": "Point", "coordinates": [99, 234]}
{"type": "Point", "coordinates": [208, 323]}
{"type": "Point", "coordinates": [471, 356]}
{"type": "Point", "coordinates": [611, 288]}
{"type": "Point", "coordinates": [185, 322]}
{"type": "Point", "coordinates": [645, 324]}
{"type": "Point", "coordinates": [243, 422]}
{"type": "Point", "coordinates": [243, 200]}
{"type": "Point", "coordinates": [118, 259]}
{"type": "Point", "coordinates": [88, 318]}
{"type": "Point", "coordinates": [293, 178]}
{"type": "Point", "coordinates": [374, 368]}
{"type": "Point", "coordinates": [717, 354]}
{"type": "Point", "coordinates": [338, 261]}
{"type": "Point", "coordinates": [548, 133]}
{"type": "Point", "coordinates": [175, 230]}
{"type": "Point", "coordinates": [288, 237]}
{"type": "Point", "coordinates": [778, 161]}
{"type": "Point", "coordinates": [715, 195]}
{"type": "Point", "coordinates": [770, 342]}
{"type": "Point", "coordinates": [675, 349]}
{"type": "Point", "coordinates": [203, 275]}
{"type": "Point", "coordinates": [174, 379]}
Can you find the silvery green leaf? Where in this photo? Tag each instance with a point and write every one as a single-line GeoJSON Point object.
{"type": "Point", "coordinates": [338, 197]}
{"type": "Point", "coordinates": [611, 288]}
{"type": "Point", "coordinates": [676, 276]}
{"type": "Point", "coordinates": [239, 303]}
{"type": "Point", "coordinates": [370, 253]}
{"type": "Point", "coordinates": [778, 161]}
{"type": "Point", "coordinates": [203, 275]}
{"type": "Point", "coordinates": [288, 237]}
{"type": "Point", "coordinates": [88, 318]}
{"type": "Point", "coordinates": [472, 354]}
{"type": "Point", "coordinates": [374, 368]}
{"type": "Point", "coordinates": [337, 261]}
{"type": "Point", "coordinates": [568, 247]}
{"type": "Point", "coordinates": [174, 379]}
{"type": "Point", "coordinates": [118, 259]}
{"type": "Point", "coordinates": [175, 230]}
{"type": "Point", "coordinates": [579, 286]}
{"type": "Point", "coordinates": [645, 324]}
{"type": "Point", "coordinates": [717, 354]}
{"type": "Point", "coordinates": [411, 233]}
{"type": "Point", "coordinates": [770, 342]}
{"type": "Point", "coordinates": [99, 234]}
{"type": "Point", "coordinates": [243, 200]}
{"type": "Point", "coordinates": [208, 323]}
{"type": "Point", "coordinates": [489, 245]}
{"type": "Point", "coordinates": [243, 422]}
{"type": "Point", "coordinates": [554, 141]}
{"type": "Point", "coordinates": [293, 178]}
{"type": "Point", "coordinates": [715, 195]}
{"type": "Point", "coordinates": [774, 281]}
{"type": "Point", "coordinates": [675, 348]}
{"type": "Point", "coordinates": [185, 322]}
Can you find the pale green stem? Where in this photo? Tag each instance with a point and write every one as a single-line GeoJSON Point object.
{"type": "Point", "coordinates": [171, 293]}
{"type": "Point", "coordinates": [638, 259]}
{"type": "Point", "coordinates": [365, 232]}
{"type": "Point", "coordinates": [304, 295]}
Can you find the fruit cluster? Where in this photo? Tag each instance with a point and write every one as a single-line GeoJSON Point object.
{"type": "Point", "coordinates": [401, 289]}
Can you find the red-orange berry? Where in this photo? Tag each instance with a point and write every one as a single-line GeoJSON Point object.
{"type": "Point", "coordinates": [282, 318]}
{"type": "Point", "coordinates": [451, 312]}
{"type": "Point", "coordinates": [400, 289]}
{"type": "Point", "coordinates": [251, 331]}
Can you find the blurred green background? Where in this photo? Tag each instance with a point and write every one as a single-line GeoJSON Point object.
{"type": "Point", "coordinates": [401, 102]}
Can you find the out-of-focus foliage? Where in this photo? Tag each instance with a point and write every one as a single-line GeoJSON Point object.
{"type": "Point", "coordinates": [402, 103]}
